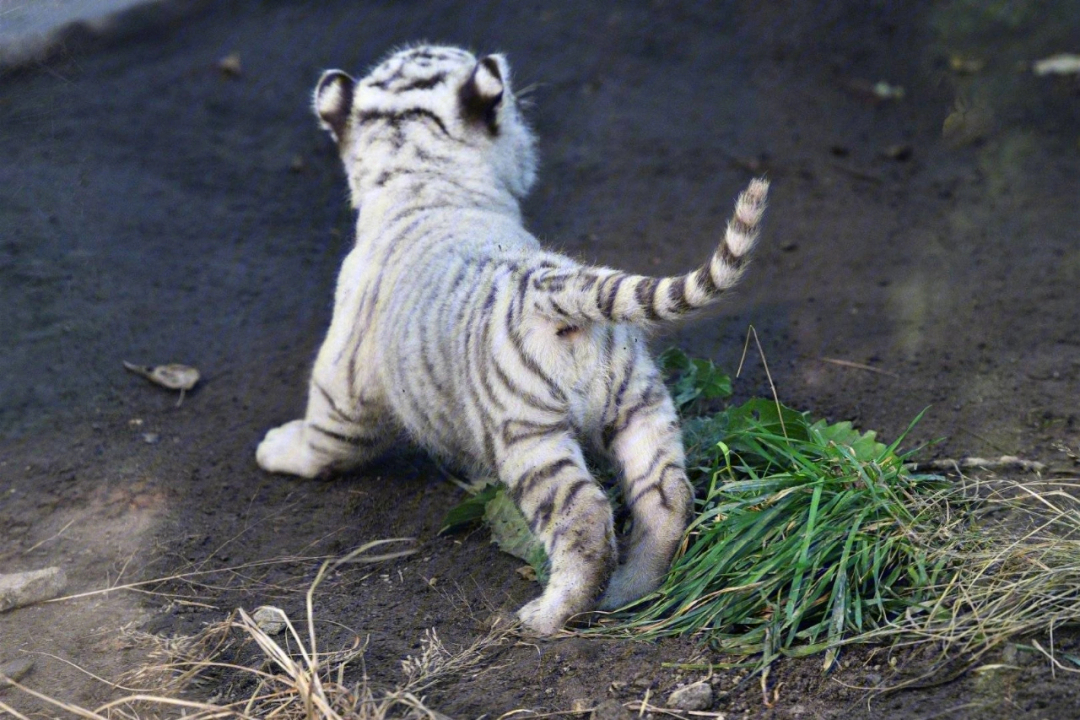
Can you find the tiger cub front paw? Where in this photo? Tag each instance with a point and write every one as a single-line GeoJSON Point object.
{"type": "Point", "coordinates": [285, 451]}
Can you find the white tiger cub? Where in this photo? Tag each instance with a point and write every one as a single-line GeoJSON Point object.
{"type": "Point", "coordinates": [452, 324]}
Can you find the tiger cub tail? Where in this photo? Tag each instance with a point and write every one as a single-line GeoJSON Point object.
{"type": "Point", "coordinates": [589, 294]}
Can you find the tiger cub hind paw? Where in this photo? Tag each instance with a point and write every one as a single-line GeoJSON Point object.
{"type": "Point", "coordinates": [549, 613]}
{"type": "Point", "coordinates": [628, 584]}
{"type": "Point", "coordinates": [539, 618]}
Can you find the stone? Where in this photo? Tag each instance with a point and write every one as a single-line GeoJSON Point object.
{"type": "Point", "coordinates": [581, 705]}
{"type": "Point", "coordinates": [270, 620]}
{"type": "Point", "coordinates": [27, 588]}
{"type": "Point", "coordinates": [611, 710]}
{"type": "Point", "coordinates": [697, 696]}
{"type": "Point", "coordinates": [14, 670]}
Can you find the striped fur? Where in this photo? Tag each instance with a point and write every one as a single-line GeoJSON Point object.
{"type": "Point", "coordinates": [452, 326]}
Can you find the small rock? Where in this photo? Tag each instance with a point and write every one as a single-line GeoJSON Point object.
{"type": "Point", "coordinates": [1060, 64]}
{"type": "Point", "coordinates": [965, 64]}
{"type": "Point", "coordinates": [26, 588]}
{"type": "Point", "coordinates": [270, 620]}
{"type": "Point", "coordinates": [885, 91]}
{"type": "Point", "coordinates": [697, 696]}
{"type": "Point", "coordinates": [581, 705]}
{"type": "Point", "coordinates": [899, 153]}
{"type": "Point", "coordinates": [230, 65]}
{"type": "Point", "coordinates": [611, 710]}
{"type": "Point", "coordinates": [14, 670]}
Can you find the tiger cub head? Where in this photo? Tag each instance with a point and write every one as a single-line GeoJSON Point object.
{"type": "Point", "coordinates": [432, 108]}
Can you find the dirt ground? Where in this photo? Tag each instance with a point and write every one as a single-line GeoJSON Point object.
{"type": "Point", "coordinates": [154, 208]}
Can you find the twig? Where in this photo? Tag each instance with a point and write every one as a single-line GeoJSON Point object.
{"type": "Point", "coordinates": [12, 711]}
{"type": "Point", "coordinates": [185, 575]}
{"type": "Point", "coordinates": [857, 174]}
{"type": "Point", "coordinates": [1054, 660]}
{"type": "Point", "coordinates": [1005, 462]}
{"type": "Point", "coordinates": [533, 714]}
{"type": "Point", "coordinates": [643, 706]}
{"type": "Point", "coordinates": [86, 672]}
{"type": "Point", "coordinates": [858, 366]}
{"type": "Point", "coordinates": [776, 398]}
{"type": "Point", "coordinates": [60, 532]}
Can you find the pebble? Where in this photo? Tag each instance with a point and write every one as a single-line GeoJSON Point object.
{"type": "Point", "coordinates": [270, 620]}
{"type": "Point", "coordinates": [14, 670]}
{"type": "Point", "coordinates": [26, 588]}
{"type": "Point", "coordinates": [697, 696]}
{"type": "Point", "coordinates": [611, 710]}
{"type": "Point", "coordinates": [230, 65]}
{"type": "Point", "coordinates": [581, 705]}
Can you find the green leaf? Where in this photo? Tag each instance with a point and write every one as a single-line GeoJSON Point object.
{"type": "Point", "coordinates": [693, 379]}
{"type": "Point", "coordinates": [509, 530]}
{"type": "Point", "coordinates": [761, 415]}
{"type": "Point", "coordinates": [711, 382]}
{"type": "Point", "coordinates": [469, 511]}
{"type": "Point", "coordinates": [511, 533]}
{"type": "Point", "coordinates": [864, 446]}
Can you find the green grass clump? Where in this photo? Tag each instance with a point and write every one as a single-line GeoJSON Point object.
{"type": "Point", "coordinates": [803, 534]}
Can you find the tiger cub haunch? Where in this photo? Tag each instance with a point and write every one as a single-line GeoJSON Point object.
{"type": "Point", "coordinates": [453, 325]}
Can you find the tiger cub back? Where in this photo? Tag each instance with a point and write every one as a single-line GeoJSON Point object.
{"type": "Point", "coordinates": [453, 326]}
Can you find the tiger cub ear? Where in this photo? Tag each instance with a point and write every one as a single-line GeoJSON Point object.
{"type": "Point", "coordinates": [333, 101]}
{"type": "Point", "coordinates": [482, 93]}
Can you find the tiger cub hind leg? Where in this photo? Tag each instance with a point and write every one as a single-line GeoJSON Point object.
{"type": "Point", "coordinates": [644, 438]}
{"type": "Point", "coordinates": [570, 514]}
{"type": "Point", "coordinates": [328, 440]}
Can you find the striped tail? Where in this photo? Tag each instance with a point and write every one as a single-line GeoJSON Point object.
{"type": "Point", "coordinates": [591, 294]}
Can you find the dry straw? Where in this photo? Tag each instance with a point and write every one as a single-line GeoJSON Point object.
{"type": "Point", "coordinates": [288, 685]}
